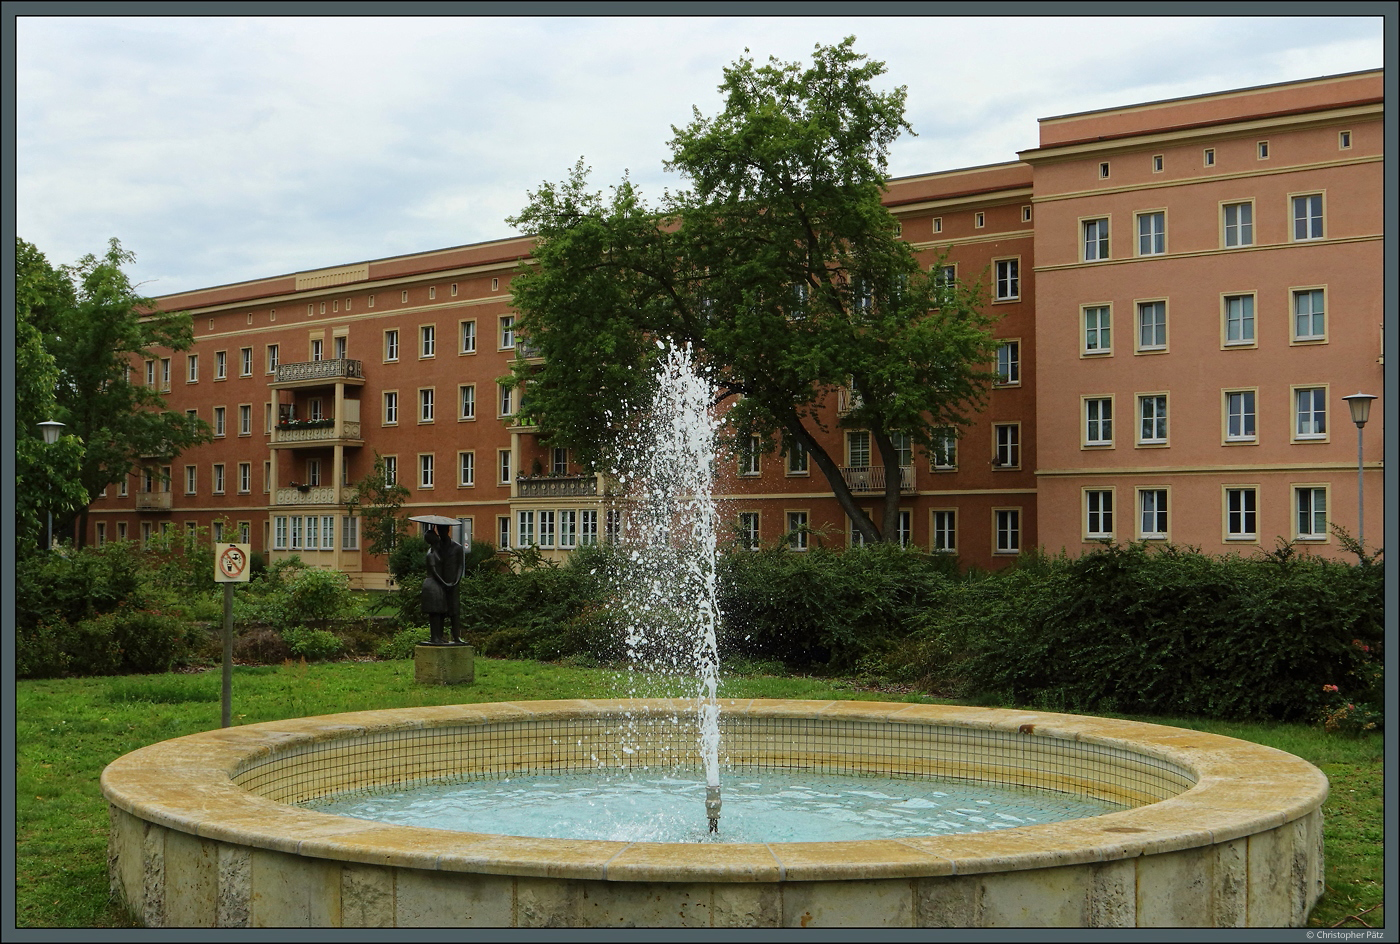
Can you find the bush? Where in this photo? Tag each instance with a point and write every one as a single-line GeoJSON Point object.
{"type": "Point", "coordinates": [292, 594]}
{"type": "Point", "coordinates": [261, 645]}
{"type": "Point", "coordinates": [312, 644]}
{"type": "Point", "coordinates": [402, 643]}
{"type": "Point", "coordinates": [1170, 631]}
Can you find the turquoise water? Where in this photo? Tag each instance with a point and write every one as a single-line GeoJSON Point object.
{"type": "Point", "coordinates": [759, 806]}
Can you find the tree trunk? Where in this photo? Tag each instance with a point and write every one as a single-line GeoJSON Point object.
{"type": "Point", "coordinates": [835, 479]}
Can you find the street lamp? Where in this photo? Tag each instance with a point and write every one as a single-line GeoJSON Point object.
{"type": "Point", "coordinates": [1360, 404]}
{"type": "Point", "coordinates": [51, 430]}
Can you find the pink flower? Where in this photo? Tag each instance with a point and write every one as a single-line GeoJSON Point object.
{"type": "Point", "coordinates": [1329, 688]}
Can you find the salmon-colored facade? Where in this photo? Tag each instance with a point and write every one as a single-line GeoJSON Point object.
{"type": "Point", "coordinates": [1146, 265]}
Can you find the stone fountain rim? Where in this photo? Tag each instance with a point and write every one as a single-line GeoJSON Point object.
{"type": "Point", "coordinates": [1242, 789]}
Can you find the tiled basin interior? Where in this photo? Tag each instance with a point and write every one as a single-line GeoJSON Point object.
{"type": "Point", "coordinates": [1220, 832]}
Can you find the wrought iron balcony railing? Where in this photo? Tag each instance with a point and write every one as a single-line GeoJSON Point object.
{"type": "Point", "coordinates": [871, 478]}
{"type": "Point", "coordinates": [341, 368]}
{"type": "Point", "coordinates": [152, 501]}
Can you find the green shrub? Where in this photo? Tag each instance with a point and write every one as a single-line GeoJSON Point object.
{"type": "Point", "coordinates": [311, 644]}
{"type": "Point", "coordinates": [401, 644]}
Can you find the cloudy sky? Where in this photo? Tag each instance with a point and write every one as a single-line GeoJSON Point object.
{"type": "Point", "coordinates": [223, 149]}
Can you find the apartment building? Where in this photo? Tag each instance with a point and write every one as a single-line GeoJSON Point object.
{"type": "Point", "coordinates": [1184, 292]}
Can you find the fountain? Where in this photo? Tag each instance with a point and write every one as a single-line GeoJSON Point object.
{"type": "Point", "coordinates": [1210, 831]}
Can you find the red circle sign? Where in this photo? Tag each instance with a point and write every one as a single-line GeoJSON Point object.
{"type": "Point", "coordinates": [233, 562]}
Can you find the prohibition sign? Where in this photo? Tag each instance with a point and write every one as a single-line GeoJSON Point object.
{"type": "Point", "coordinates": [233, 564]}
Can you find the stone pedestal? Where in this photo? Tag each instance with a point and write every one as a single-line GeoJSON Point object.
{"type": "Point", "coordinates": [444, 665]}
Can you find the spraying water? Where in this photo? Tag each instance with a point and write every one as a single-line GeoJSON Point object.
{"type": "Point", "coordinates": [670, 595]}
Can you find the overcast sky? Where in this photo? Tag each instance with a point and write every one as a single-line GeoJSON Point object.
{"type": "Point", "coordinates": [224, 149]}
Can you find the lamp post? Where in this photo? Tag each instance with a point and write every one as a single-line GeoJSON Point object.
{"type": "Point", "coordinates": [1360, 404]}
{"type": "Point", "coordinates": [51, 430]}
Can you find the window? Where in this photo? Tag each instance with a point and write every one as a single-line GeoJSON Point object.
{"type": "Point", "coordinates": [1239, 416]}
{"type": "Point", "coordinates": [749, 454]}
{"type": "Point", "coordinates": [468, 337]}
{"type": "Point", "coordinates": [1009, 362]}
{"type": "Point", "coordinates": [1008, 530]}
{"type": "Point", "coordinates": [190, 479]}
{"type": "Point", "coordinates": [1208, 157]}
{"type": "Point", "coordinates": [391, 345]}
{"type": "Point", "coordinates": [1239, 224]}
{"type": "Point", "coordinates": [503, 532]}
{"type": "Point", "coordinates": [101, 533]}
{"type": "Point", "coordinates": [559, 461]}
{"type": "Point", "coordinates": [314, 408]}
{"type": "Point", "coordinates": [454, 290]}
{"type": "Point", "coordinates": [546, 529]}
{"type": "Point", "coordinates": [507, 399]}
{"type": "Point", "coordinates": [748, 530]}
{"type": "Point", "coordinates": [1307, 217]}
{"type": "Point", "coordinates": [588, 527]}
{"type": "Point", "coordinates": [1152, 503]}
{"type": "Point", "coordinates": [466, 402]}
{"type": "Point", "coordinates": [1098, 514]}
{"type": "Point", "coordinates": [507, 332]}
{"type": "Point", "coordinates": [1311, 503]}
{"type": "Point", "coordinates": [1103, 170]}
{"type": "Point", "coordinates": [1025, 214]}
{"type": "Point", "coordinates": [979, 220]}
{"type": "Point", "coordinates": [525, 528]}
{"type": "Point", "coordinates": [245, 477]}
{"type": "Point", "coordinates": [938, 224]}
{"type": "Point", "coordinates": [297, 543]}
{"type": "Point", "coordinates": [1309, 315]}
{"type": "Point", "coordinates": [503, 466]}
{"type": "Point", "coordinates": [568, 528]}
{"type": "Point", "coordinates": [192, 368]}
{"type": "Point", "coordinates": [1157, 163]}
{"type": "Point", "coordinates": [1095, 240]}
{"type": "Point", "coordinates": [797, 458]}
{"type": "Point", "coordinates": [318, 349]}
{"type": "Point", "coordinates": [267, 475]}
{"type": "Point", "coordinates": [905, 528]}
{"type": "Point", "coordinates": [945, 531]}
{"type": "Point", "coordinates": [218, 478]}
{"type": "Point", "coordinates": [221, 365]}
{"type": "Point", "coordinates": [245, 419]}
{"type": "Point", "coordinates": [1008, 279]}
{"type": "Point", "coordinates": [797, 530]}
{"type": "Point", "coordinates": [121, 530]}
{"type": "Point", "coordinates": [165, 373]}
{"type": "Point", "coordinates": [1008, 442]}
{"type": "Point", "coordinates": [391, 470]}
{"type": "Point", "coordinates": [432, 292]}
{"type": "Point", "coordinates": [1152, 417]}
{"type": "Point", "coordinates": [150, 373]}
{"type": "Point", "coordinates": [1263, 149]}
{"type": "Point", "coordinates": [1098, 421]}
{"type": "Point", "coordinates": [220, 421]}
{"type": "Point", "coordinates": [391, 408]}
{"type": "Point", "coordinates": [1098, 334]}
{"type": "Point", "coordinates": [271, 358]}
{"type": "Point", "coordinates": [403, 297]}
{"type": "Point", "coordinates": [1239, 320]}
{"type": "Point", "coordinates": [245, 362]}
{"type": "Point", "coordinates": [245, 531]}
{"type": "Point", "coordinates": [425, 405]}
{"type": "Point", "coordinates": [495, 284]}
{"type": "Point", "coordinates": [1152, 326]}
{"type": "Point", "coordinates": [945, 448]}
{"type": "Point", "coordinates": [313, 471]}
{"type": "Point", "coordinates": [1312, 413]}
{"type": "Point", "coordinates": [1241, 514]}
{"type": "Point", "coordinates": [858, 449]}
{"type": "Point", "coordinates": [1152, 233]}
{"type": "Point", "coordinates": [904, 448]}
{"type": "Point", "coordinates": [427, 341]}
{"type": "Point", "coordinates": [1343, 140]}
{"type": "Point", "coordinates": [425, 470]}
{"type": "Point", "coordinates": [349, 532]}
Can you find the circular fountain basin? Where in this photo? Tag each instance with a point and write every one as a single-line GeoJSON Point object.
{"type": "Point", "coordinates": [1220, 832]}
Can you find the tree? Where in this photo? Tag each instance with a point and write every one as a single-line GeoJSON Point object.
{"type": "Point", "coordinates": [780, 267]}
{"type": "Point", "coordinates": [379, 503]}
{"type": "Point", "coordinates": [46, 477]}
{"type": "Point", "coordinates": [93, 325]}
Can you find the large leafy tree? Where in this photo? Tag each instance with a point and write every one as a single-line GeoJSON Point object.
{"type": "Point", "coordinates": [94, 325]}
{"type": "Point", "coordinates": [779, 266]}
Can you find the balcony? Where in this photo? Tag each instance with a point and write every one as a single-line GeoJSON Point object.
{"type": "Point", "coordinates": [319, 373]}
{"type": "Point", "coordinates": [152, 501]}
{"type": "Point", "coordinates": [347, 434]}
{"type": "Point", "coordinates": [871, 478]}
{"type": "Point", "coordinates": [847, 400]}
{"type": "Point", "coordinates": [558, 486]}
{"type": "Point", "coordinates": [313, 495]}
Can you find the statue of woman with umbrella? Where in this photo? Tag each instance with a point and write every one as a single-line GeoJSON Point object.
{"type": "Point", "coordinates": [447, 563]}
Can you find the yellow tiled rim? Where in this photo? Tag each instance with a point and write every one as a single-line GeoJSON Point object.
{"type": "Point", "coordinates": [1241, 788]}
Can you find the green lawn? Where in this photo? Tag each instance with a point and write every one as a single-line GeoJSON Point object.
{"type": "Point", "coordinates": [67, 730]}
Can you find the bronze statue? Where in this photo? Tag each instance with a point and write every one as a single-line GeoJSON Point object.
{"type": "Point", "coordinates": [447, 562]}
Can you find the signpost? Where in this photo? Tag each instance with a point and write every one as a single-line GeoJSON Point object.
{"type": "Point", "coordinates": [230, 567]}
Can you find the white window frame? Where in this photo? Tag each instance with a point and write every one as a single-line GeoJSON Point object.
{"type": "Point", "coordinates": [1305, 422]}
{"type": "Point", "coordinates": [1006, 442]}
{"type": "Point", "coordinates": [1008, 279]}
{"type": "Point", "coordinates": [1141, 307]}
{"type": "Point", "coordinates": [1151, 232]}
{"type": "Point", "coordinates": [1240, 511]}
{"type": "Point", "coordinates": [865, 451]}
{"type": "Point", "coordinates": [1097, 413]}
{"type": "Point", "coordinates": [943, 450]}
{"type": "Point", "coordinates": [750, 533]}
{"type": "Point", "coordinates": [1098, 505]}
{"type": "Point", "coordinates": [466, 336]}
{"type": "Point", "coordinates": [1241, 425]}
{"type": "Point", "coordinates": [1006, 531]}
{"type": "Point", "coordinates": [503, 466]}
{"type": "Point", "coordinates": [1008, 368]}
{"type": "Point", "coordinates": [272, 359]}
{"type": "Point", "coordinates": [245, 478]}
{"type": "Point", "coordinates": [1153, 407]}
{"type": "Point", "coordinates": [505, 405]}
{"type": "Point", "coordinates": [191, 368]}
{"type": "Point", "coordinates": [546, 529]}
{"type": "Point", "coordinates": [751, 457]}
{"type": "Point", "coordinates": [220, 421]}
{"type": "Point", "coordinates": [218, 478]}
{"type": "Point", "coordinates": [245, 419]}
{"type": "Point", "coordinates": [1239, 308]}
{"type": "Point", "coordinates": [427, 404]}
{"type": "Point", "coordinates": [466, 402]}
{"type": "Point", "coordinates": [391, 408]}
{"type": "Point", "coordinates": [427, 341]}
{"type": "Point", "coordinates": [1094, 240]}
{"type": "Point", "coordinates": [1096, 340]}
{"type": "Point", "coordinates": [524, 528]}
{"type": "Point", "coordinates": [391, 345]}
{"type": "Point", "coordinates": [391, 470]}
{"type": "Point", "coordinates": [1159, 507]}
{"type": "Point", "coordinates": [191, 480]}
{"type": "Point", "coordinates": [466, 469]}
{"type": "Point", "coordinates": [568, 528]}
{"type": "Point", "coordinates": [1242, 230]}
{"type": "Point", "coordinates": [943, 530]}
{"type": "Point", "coordinates": [1314, 226]}
{"type": "Point", "coordinates": [1305, 498]}
{"type": "Point", "coordinates": [798, 525]}
{"type": "Point", "coordinates": [350, 530]}
{"type": "Point", "coordinates": [588, 526]}
{"type": "Point", "coordinates": [507, 335]}
{"type": "Point", "coordinates": [221, 365]}
{"type": "Point", "coordinates": [427, 469]}
{"type": "Point", "coordinates": [1312, 293]}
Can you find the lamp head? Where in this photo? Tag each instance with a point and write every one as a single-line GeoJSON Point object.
{"type": "Point", "coordinates": [52, 429]}
{"type": "Point", "coordinates": [1360, 404]}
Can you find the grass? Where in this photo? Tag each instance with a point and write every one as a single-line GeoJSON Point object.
{"type": "Point", "coordinates": [67, 730]}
